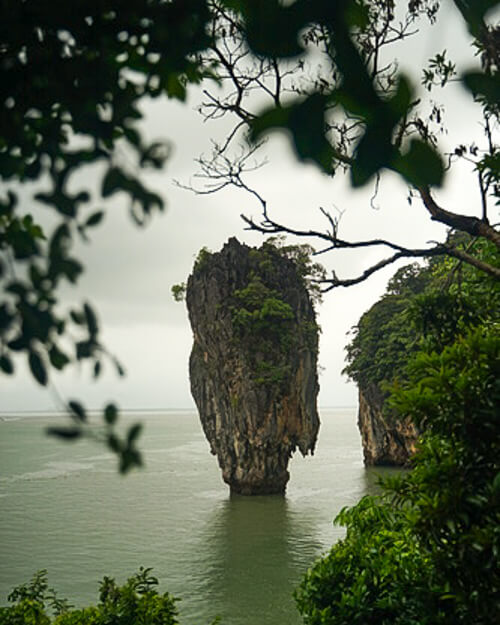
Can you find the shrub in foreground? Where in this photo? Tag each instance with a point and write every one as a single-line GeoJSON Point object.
{"type": "Point", "coordinates": [137, 602]}
{"type": "Point", "coordinates": [426, 551]}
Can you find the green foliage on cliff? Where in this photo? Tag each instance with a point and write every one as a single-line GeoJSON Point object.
{"type": "Point", "coordinates": [311, 273]}
{"type": "Point", "coordinates": [202, 258]}
{"type": "Point", "coordinates": [262, 317]}
{"type": "Point", "coordinates": [137, 601]}
{"type": "Point", "coordinates": [426, 550]}
{"type": "Point", "coordinates": [179, 291]}
{"type": "Point", "coordinates": [263, 320]}
{"type": "Point", "coordinates": [430, 304]}
{"type": "Point", "coordinates": [260, 310]}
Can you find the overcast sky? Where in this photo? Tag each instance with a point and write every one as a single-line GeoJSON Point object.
{"type": "Point", "coordinates": [129, 271]}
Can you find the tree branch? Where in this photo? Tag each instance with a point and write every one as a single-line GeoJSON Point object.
{"type": "Point", "coordinates": [475, 262]}
{"type": "Point", "coordinates": [269, 226]}
{"type": "Point", "coordinates": [465, 223]}
{"type": "Point", "coordinates": [334, 281]}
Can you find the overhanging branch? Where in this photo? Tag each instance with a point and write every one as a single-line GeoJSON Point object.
{"type": "Point", "coordinates": [465, 223]}
{"type": "Point", "coordinates": [334, 281]}
{"type": "Point", "coordinates": [270, 226]}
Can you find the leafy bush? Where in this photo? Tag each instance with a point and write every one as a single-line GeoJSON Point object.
{"type": "Point", "coordinates": [202, 258]}
{"type": "Point", "coordinates": [260, 309]}
{"type": "Point", "coordinates": [375, 575]}
{"type": "Point", "coordinates": [137, 602]}
{"type": "Point", "coordinates": [311, 273]}
{"type": "Point", "coordinates": [179, 291]}
{"type": "Point", "coordinates": [426, 550]}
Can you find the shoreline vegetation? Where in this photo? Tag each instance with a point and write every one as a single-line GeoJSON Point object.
{"type": "Point", "coordinates": [136, 601]}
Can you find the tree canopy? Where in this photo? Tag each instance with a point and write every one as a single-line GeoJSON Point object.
{"type": "Point", "coordinates": [73, 76]}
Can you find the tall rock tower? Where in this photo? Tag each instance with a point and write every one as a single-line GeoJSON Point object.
{"type": "Point", "coordinates": [253, 366]}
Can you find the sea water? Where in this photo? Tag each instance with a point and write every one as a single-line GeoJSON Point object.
{"type": "Point", "coordinates": [65, 508]}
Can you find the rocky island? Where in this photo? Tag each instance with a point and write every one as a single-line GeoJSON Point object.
{"type": "Point", "coordinates": [383, 341]}
{"type": "Point", "coordinates": [385, 440]}
{"type": "Point", "coordinates": [253, 365]}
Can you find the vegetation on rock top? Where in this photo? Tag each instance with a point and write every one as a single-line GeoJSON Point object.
{"type": "Point", "coordinates": [262, 310]}
{"type": "Point", "coordinates": [424, 306]}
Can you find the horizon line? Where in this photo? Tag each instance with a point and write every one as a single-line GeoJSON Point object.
{"type": "Point", "coordinates": [94, 411]}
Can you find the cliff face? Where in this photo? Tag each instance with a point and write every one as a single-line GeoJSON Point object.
{"type": "Point", "coordinates": [384, 442]}
{"type": "Point", "coordinates": [253, 364]}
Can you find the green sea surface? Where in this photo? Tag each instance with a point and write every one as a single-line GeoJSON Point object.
{"type": "Point", "coordinates": [64, 507]}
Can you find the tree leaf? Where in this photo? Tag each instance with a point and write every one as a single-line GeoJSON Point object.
{"type": "Point", "coordinates": [265, 18]}
{"type": "Point", "coordinates": [112, 182]}
{"type": "Point", "coordinates": [68, 433]}
{"type": "Point", "coordinates": [305, 119]}
{"type": "Point", "coordinates": [155, 155]}
{"type": "Point", "coordinates": [374, 151]}
{"type": "Point", "coordinates": [114, 443]}
{"type": "Point", "coordinates": [58, 359]}
{"type": "Point", "coordinates": [496, 483]}
{"type": "Point", "coordinates": [130, 458]}
{"type": "Point", "coordinates": [77, 410]}
{"type": "Point", "coordinates": [97, 368]}
{"type": "Point", "coordinates": [70, 268]}
{"type": "Point", "coordinates": [91, 319]}
{"type": "Point", "coordinates": [6, 317]}
{"type": "Point", "coordinates": [485, 85]}
{"type": "Point", "coordinates": [119, 368]}
{"type": "Point", "coordinates": [175, 87]}
{"type": "Point", "coordinates": [83, 350]}
{"type": "Point", "coordinates": [134, 433]}
{"type": "Point", "coordinates": [421, 165]}
{"type": "Point", "coordinates": [78, 317]}
{"type": "Point", "coordinates": [474, 12]}
{"type": "Point", "coordinates": [94, 219]}
{"type": "Point", "coordinates": [111, 414]}
{"type": "Point", "coordinates": [37, 367]}
{"type": "Point", "coordinates": [6, 364]}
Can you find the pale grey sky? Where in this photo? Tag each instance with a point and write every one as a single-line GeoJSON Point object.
{"type": "Point", "coordinates": [129, 272]}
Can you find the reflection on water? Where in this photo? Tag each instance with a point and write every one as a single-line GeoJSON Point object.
{"type": "Point", "coordinates": [253, 552]}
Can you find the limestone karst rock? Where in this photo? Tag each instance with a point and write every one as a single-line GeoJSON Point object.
{"type": "Point", "coordinates": [382, 342]}
{"type": "Point", "coordinates": [386, 442]}
{"type": "Point", "coordinates": [253, 365]}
